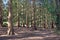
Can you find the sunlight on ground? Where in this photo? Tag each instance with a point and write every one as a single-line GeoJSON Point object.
{"type": "Point", "coordinates": [51, 36]}
{"type": "Point", "coordinates": [34, 38]}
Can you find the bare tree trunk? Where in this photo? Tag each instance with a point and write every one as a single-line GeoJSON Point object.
{"type": "Point", "coordinates": [33, 14]}
{"type": "Point", "coordinates": [1, 13]}
{"type": "Point", "coordinates": [58, 14]}
{"type": "Point", "coordinates": [26, 20]}
{"type": "Point", "coordinates": [27, 14]}
{"type": "Point", "coordinates": [18, 19]}
{"type": "Point", "coordinates": [52, 24]}
{"type": "Point", "coordinates": [58, 22]}
{"type": "Point", "coordinates": [10, 24]}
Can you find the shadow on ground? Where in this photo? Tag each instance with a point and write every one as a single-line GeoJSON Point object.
{"type": "Point", "coordinates": [32, 35]}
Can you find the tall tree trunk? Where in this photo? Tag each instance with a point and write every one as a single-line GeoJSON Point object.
{"type": "Point", "coordinates": [58, 14]}
{"type": "Point", "coordinates": [27, 13]}
{"type": "Point", "coordinates": [33, 14]}
{"type": "Point", "coordinates": [52, 24]}
{"type": "Point", "coordinates": [26, 20]}
{"type": "Point", "coordinates": [18, 19]}
{"type": "Point", "coordinates": [45, 19]}
{"type": "Point", "coordinates": [10, 24]}
{"type": "Point", "coordinates": [1, 13]}
{"type": "Point", "coordinates": [58, 22]}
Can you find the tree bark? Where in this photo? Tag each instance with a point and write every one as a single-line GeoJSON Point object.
{"type": "Point", "coordinates": [1, 22]}
{"type": "Point", "coordinates": [58, 14]}
{"type": "Point", "coordinates": [10, 24]}
{"type": "Point", "coordinates": [58, 22]}
{"type": "Point", "coordinates": [26, 20]}
{"type": "Point", "coordinates": [18, 19]}
{"type": "Point", "coordinates": [33, 14]}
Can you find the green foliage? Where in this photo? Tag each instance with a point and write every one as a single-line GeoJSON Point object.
{"type": "Point", "coordinates": [23, 7]}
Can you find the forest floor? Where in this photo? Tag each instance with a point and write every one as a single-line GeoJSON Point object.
{"type": "Point", "coordinates": [29, 34]}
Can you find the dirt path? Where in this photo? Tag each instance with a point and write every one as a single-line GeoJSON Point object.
{"type": "Point", "coordinates": [26, 34]}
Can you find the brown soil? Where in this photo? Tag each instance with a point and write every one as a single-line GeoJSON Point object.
{"type": "Point", "coordinates": [29, 34]}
